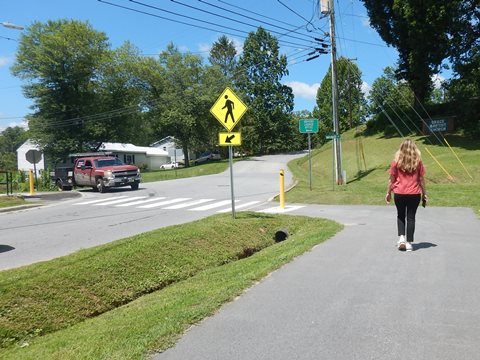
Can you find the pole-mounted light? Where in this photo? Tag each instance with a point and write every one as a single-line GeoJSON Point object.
{"type": "Point", "coordinates": [11, 26]}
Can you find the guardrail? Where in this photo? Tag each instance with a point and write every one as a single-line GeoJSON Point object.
{"type": "Point", "coordinates": [6, 178]}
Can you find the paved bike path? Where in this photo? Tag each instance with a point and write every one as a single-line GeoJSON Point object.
{"type": "Point", "coordinates": [356, 297]}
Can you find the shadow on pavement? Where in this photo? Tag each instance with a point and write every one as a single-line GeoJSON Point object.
{"type": "Point", "coordinates": [5, 248]}
{"type": "Point", "coordinates": [423, 245]}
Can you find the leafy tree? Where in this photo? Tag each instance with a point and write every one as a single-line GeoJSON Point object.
{"type": "Point", "coordinates": [464, 88]}
{"type": "Point", "coordinates": [121, 93]}
{"type": "Point", "coordinates": [223, 55]}
{"type": "Point", "coordinates": [60, 60]}
{"type": "Point", "coordinates": [267, 126]}
{"type": "Point", "coordinates": [10, 140]}
{"type": "Point", "coordinates": [390, 100]}
{"type": "Point", "coordinates": [184, 107]}
{"type": "Point", "coordinates": [421, 32]}
{"type": "Point", "coordinates": [351, 100]}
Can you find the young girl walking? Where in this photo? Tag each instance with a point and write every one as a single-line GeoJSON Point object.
{"type": "Point", "coordinates": [408, 186]}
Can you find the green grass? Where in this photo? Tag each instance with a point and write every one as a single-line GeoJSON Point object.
{"type": "Point", "coordinates": [126, 298]}
{"type": "Point", "coordinates": [368, 184]}
{"type": "Point", "coordinates": [199, 170]}
{"type": "Point", "coordinates": [6, 201]}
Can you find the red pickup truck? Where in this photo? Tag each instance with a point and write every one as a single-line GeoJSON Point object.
{"type": "Point", "coordinates": [100, 171]}
{"type": "Point", "coordinates": [104, 172]}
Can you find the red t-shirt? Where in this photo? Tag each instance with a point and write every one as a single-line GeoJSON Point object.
{"type": "Point", "coordinates": [406, 183]}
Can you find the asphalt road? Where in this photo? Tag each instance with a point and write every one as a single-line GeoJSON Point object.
{"type": "Point", "coordinates": [63, 227]}
{"type": "Point", "coordinates": [357, 297]}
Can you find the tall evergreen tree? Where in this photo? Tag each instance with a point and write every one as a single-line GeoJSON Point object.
{"type": "Point", "coordinates": [351, 100]}
{"type": "Point", "coordinates": [267, 126]}
{"type": "Point", "coordinates": [223, 55]}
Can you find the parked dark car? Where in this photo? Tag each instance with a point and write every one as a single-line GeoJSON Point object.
{"type": "Point", "coordinates": [207, 157]}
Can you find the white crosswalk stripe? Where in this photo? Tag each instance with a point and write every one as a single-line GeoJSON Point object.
{"type": "Point", "coordinates": [161, 203]}
{"type": "Point", "coordinates": [279, 210]}
{"type": "Point", "coordinates": [142, 201]}
{"type": "Point", "coordinates": [165, 203]}
{"type": "Point", "coordinates": [187, 204]}
{"type": "Point", "coordinates": [97, 201]}
{"type": "Point", "coordinates": [241, 206]}
{"type": "Point", "coordinates": [212, 206]}
{"type": "Point", "coordinates": [117, 201]}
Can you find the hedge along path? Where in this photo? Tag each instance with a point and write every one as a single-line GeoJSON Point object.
{"type": "Point", "coordinates": [46, 297]}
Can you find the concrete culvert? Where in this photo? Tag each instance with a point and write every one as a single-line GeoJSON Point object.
{"type": "Point", "coordinates": [281, 235]}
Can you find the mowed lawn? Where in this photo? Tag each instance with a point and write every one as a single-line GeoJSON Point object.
{"type": "Point", "coordinates": [452, 179]}
{"type": "Point", "coordinates": [124, 299]}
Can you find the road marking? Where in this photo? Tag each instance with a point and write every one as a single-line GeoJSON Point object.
{"type": "Point", "coordinates": [279, 210]}
{"type": "Point", "coordinates": [187, 204]}
{"type": "Point", "coordinates": [97, 201]}
{"type": "Point", "coordinates": [142, 201]}
{"type": "Point", "coordinates": [239, 206]}
{"type": "Point", "coordinates": [211, 206]}
{"type": "Point", "coordinates": [161, 203]}
{"type": "Point", "coordinates": [117, 201]}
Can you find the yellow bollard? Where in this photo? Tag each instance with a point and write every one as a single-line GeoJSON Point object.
{"type": "Point", "coordinates": [282, 189]}
{"type": "Point", "coordinates": [30, 175]}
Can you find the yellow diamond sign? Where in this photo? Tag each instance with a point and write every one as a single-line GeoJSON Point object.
{"type": "Point", "coordinates": [228, 109]}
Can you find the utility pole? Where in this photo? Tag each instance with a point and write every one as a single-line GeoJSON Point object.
{"type": "Point", "coordinates": [337, 151]}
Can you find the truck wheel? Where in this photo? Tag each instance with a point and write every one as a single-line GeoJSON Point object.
{"type": "Point", "coordinates": [134, 186]}
{"type": "Point", "coordinates": [100, 185]}
{"type": "Point", "coordinates": [62, 187]}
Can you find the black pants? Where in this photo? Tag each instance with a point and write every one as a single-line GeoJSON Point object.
{"type": "Point", "coordinates": [407, 206]}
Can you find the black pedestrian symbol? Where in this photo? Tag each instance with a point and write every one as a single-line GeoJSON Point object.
{"type": "Point", "coordinates": [230, 106]}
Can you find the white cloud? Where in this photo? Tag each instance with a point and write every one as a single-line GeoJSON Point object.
{"type": "Point", "coordinates": [4, 60]}
{"type": "Point", "coordinates": [437, 80]}
{"type": "Point", "coordinates": [4, 125]}
{"type": "Point", "coordinates": [366, 22]}
{"type": "Point", "coordinates": [204, 48]}
{"type": "Point", "coordinates": [366, 88]}
{"type": "Point", "coordinates": [238, 45]}
{"type": "Point", "coordinates": [304, 90]}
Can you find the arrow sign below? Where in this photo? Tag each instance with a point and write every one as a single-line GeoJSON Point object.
{"type": "Point", "coordinates": [230, 139]}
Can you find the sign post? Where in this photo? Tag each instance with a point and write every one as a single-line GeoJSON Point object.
{"type": "Point", "coordinates": [33, 157]}
{"type": "Point", "coordinates": [228, 110]}
{"type": "Point", "coordinates": [308, 126]}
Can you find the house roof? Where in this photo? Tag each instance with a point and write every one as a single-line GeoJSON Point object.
{"type": "Point", "coordinates": [165, 140]}
{"type": "Point", "coordinates": [130, 148]}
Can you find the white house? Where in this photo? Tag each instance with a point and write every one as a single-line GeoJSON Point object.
{"type": "Point", "coordinates": [151, 157]}
{"type": "Point", "coordinates": [169, 145]}
{"type": "Point", "coordinates": [23, 164]}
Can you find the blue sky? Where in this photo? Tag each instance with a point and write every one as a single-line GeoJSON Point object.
{"type": "Point", "coordinates": [355, 38]}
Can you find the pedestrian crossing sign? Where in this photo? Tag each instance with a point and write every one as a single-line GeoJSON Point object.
{"type": "Point", "coordinates": [228, 109]}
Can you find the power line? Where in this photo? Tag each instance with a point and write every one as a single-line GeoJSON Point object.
{"type": "Point", "coordinates": [251, 18]}
{"type": "Point", "coordinates": [252, 12]}
{"type": "Point", "coordinates": [207, 12]}
{"type": "Point", "coordinates": [283, 43]}
{"type": "Point", "coordinates": [293, 11]}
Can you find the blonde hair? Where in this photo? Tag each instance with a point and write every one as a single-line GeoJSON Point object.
{"type": "Point", "coordinates": [408, 156]}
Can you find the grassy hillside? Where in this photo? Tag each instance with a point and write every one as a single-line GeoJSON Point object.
{"type": "Point", "coordinates": [367, 174]}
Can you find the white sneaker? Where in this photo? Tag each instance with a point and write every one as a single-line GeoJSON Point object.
{"type": "Point", "coordinates": [401, 244]}
{"type": "Point", "coordinates": [408, 246]}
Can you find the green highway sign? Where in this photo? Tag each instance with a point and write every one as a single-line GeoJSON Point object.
{"type": "Point", "coordinates": [308, 126]}
{"type": "Point", "coordinates": [331, 136]}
